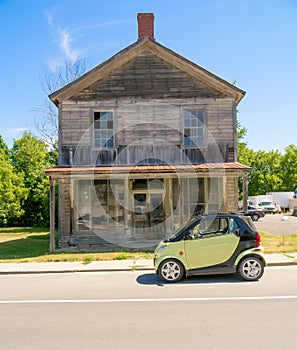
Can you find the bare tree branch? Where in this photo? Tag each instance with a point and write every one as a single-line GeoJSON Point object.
{"type": "Point", "coordinates": [46, 120]}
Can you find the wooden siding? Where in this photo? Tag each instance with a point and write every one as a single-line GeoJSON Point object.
{"type": "Point", "coordinates": [155, 126]}
{"type": "Point", "coordinates": [147, 95]}
{"type": "Point", "coordinates": [177, 204]}
{"type": "Point", "coordinates": [147, 76]}
{"type": "Point", "coordinates": [65, 212]}
{"type": "Point", "coordinates": [231, 194]}
{"type": "Point", "coordinates": [75, 125]}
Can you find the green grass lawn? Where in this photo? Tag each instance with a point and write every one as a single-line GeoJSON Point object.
{"type": "Point", "coordinates": [23, 242]}
{"type": "Point", "coordinates": [31, 244]}
{"type": "Point", "coordinates": [279, 244]}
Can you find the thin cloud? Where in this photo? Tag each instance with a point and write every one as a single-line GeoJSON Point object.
{"type": "Point", "coordinates": [65, 38]}
{"type": "Point", "coordinates": [49, 17]}
{"type": "Point", "coordinates": [9, 135]}
{"type": "Point", "coordinates": [15, 130]}
{"type": "Point", "coordinates": [64, 43]}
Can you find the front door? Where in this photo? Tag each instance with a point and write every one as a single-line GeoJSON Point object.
{"type": "Point", "coordinates": [156, 209]}
{"type": "Point", "coordinates": [148, 209]}
{"type": "Point", "coordinates": [140, 210]}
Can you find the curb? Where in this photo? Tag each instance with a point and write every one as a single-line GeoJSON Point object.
{"type": "Point", "coordinates": [76, 270]}
{"type": "Point", "coordinates": [130, 269]}
{"type": "Point", "coordinates": [285, 263]}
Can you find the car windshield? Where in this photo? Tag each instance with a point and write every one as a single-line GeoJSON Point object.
{"type": "Point", "coordinates": [176, 233]}
{"type": "Point", "coordinates": [266, 203]}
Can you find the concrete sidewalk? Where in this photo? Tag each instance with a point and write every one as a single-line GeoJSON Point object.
{"type": "Point", "coordinates": [113, 265]}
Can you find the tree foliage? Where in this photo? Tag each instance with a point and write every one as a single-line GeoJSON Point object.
{"type": "Point", "coordinates": [12, 188]}
{"type": "Point", "coordinates": [272, 170]}
{"type": "Point", "coordinates": [289, 168]}
{"type": "Point", "coordinates": [4, 151]}
{"type": "Point", "coordinates": [30, 158]}
{"type": "Point", "coordinates": [12, 193]}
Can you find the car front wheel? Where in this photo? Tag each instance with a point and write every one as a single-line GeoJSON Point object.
{"type": "Point", "coordinates": [171, 271]}
{"type": "Point", "coordinates": [251, 268]}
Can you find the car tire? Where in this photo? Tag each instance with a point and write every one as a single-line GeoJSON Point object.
{"type": "Point", "coordinates": [255, 217]}
{"type": "Point", "coordinates": [251, 268]}
{"type": "Point", "coordinates": [171, 270]}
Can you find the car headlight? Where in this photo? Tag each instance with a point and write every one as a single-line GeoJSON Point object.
{"type": "Point", "coordinates": [161, 248]}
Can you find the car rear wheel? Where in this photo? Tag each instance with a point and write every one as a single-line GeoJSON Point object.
{"type": "Point", "coordinates": [171, 271]}
{"type": "Point", "coordinates": [251, 268]}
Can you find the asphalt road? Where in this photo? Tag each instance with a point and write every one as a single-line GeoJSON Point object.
{"type": "Point", "coordinates": [278, 224]}
{"type": "Point", "coordinates": [134, 310]}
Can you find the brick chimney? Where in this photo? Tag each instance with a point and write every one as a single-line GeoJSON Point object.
{"type": "Point", "coordinates": [145, 25]}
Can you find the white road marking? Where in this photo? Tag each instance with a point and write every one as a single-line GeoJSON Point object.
{"type": "Point", "coordinates": [74, 301]}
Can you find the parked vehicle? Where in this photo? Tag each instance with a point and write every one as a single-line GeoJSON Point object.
{"type": "Point", "coordinates": [255, 213]}
{"type": "Point", "coordinates": [212, 244]}
{"type": "Point", "coordinates": [282, 199]}
{"type": "Point", "coordinates": [264, 202]}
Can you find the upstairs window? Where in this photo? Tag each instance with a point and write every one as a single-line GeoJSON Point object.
{"type": "Point", "coordinates": [103, 129]}
{"type": "Point", "coordinates": [194, 120]}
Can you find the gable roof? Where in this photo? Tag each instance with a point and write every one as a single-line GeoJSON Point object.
{"type": "Point", "coordinates": [133, 51]}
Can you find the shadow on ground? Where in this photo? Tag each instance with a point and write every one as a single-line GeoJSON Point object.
{"type": "Point", "coordinates": [153, 279]}
{"type": "Point", "coordinates": [28, 247]}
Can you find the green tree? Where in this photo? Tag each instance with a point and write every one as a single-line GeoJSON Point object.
{"type": "Point", "coordinates": [241, 133]}
{"type": "Point", "coordinates": [244, 153]}
{"type": "Point", "coordinates": [12, 189]}
{"type": "Point", "coordinates": [289, 168]}
{"type": "Point", "coordinates": [30, 158]}
{"type": "Point", "coordinates": [4, 151]}
{"type": "Point", "coordinates": [266, 175]}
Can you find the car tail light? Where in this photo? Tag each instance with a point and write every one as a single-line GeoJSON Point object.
{"type": "Point", "coordinates": [258, 237]}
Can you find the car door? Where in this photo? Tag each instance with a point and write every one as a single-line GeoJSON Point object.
{"type": "Point", "coordinates": [212, 243]}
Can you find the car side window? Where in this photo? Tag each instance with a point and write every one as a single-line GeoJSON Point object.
{"type": "Point", "coordinates": [233, 226]}
{"type": "Point", "coordinates": [213, 227]}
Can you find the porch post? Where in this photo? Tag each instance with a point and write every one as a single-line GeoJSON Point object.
{"type": "Point", "coordinates": [52, 214]}
{"type": "Point", "coordinates": [244, 191]}
{"type": "Point", "coordinates": [181, 201]}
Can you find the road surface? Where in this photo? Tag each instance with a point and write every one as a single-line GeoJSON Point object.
{"type": "Point", "coordinates": [135, 310]}
{"type": "Point", "coordinates": [277, 224]}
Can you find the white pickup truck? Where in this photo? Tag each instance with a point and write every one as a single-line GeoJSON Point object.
{"type": "Point", "coordinates": [264, 202]}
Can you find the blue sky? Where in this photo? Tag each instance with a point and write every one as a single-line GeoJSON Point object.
{"type": "Point", "coordinates": [251, 41]}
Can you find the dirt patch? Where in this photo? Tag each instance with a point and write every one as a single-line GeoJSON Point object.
{"type": "Point", "coordinates": [278, 224]}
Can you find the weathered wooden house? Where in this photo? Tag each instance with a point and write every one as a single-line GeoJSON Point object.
{"type": "Point", "coordinates": [147, 139]}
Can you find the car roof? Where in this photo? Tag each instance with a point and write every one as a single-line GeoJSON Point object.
{"type": "Point", "coordinates": [222, 215]}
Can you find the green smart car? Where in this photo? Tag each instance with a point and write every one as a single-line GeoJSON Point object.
{"type": "Point", "coordinates": [212, 244]}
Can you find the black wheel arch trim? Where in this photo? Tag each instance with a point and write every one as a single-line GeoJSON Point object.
{"type": "Point", "coordinates": [172, 259]}
{"type": "Point", "coordinates": [259, 257]}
